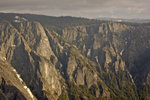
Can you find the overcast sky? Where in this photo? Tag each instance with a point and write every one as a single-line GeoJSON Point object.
{"type": "Point", "coordinates": [80, 8]}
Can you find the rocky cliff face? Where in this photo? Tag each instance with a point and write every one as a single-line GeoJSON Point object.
{"type": "Point", "coordinates": [32, 60]}
{"type": "Point", "coordinates": [101, 60]}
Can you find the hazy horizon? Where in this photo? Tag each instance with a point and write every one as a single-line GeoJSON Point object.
{"type": "Point", "coordinates": [127, 9]}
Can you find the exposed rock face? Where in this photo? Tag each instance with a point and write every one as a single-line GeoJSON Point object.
{"type": "Point", "coordinates": [115, 46]}
{"type": "Point", "coordinates": [11, 85]}
{"type": "Point", "coordinates": [101, 60]}
{"type": "Point", "coordinates": [32, 59]}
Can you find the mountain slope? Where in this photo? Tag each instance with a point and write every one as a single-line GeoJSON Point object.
{"type": "Point", "coordinates": [87, 60]}
{"type": "Point", "coordinates": [11, 84]}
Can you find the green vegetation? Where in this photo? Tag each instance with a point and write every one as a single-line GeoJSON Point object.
{"type": "Point", "coordinates": [80, 92]}
{"type": "Point", "coordinates": [143, 91]}
{"type": "Point", "coordinates": [63, 96]}
{"type": "Point", "coordinates": [120, 88]}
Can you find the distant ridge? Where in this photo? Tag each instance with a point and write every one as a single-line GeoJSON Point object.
{"type": "Point", "coordinates": [52, 20]}
{"type": "Point", "coordinates": [125, 20]}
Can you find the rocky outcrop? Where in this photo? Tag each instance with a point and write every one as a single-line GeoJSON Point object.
{"type": "Point", "coordinates": [11, 84]}
{"type": "Point", "coordinates": [101, 60]}
{"type": "Point", "coordinates": [32, 60]}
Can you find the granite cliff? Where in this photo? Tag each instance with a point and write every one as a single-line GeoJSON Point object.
{"type": "Point", "coordinates": [66, 58]}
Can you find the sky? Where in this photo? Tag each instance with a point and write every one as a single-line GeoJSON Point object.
{"type": "Point", "coordinates": [128, 9]}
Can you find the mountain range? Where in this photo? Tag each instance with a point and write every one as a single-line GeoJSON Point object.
{"type": "Point", "coordinates": [125, 20]}
{"type": "Point", "coordinates": [69, 58]}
